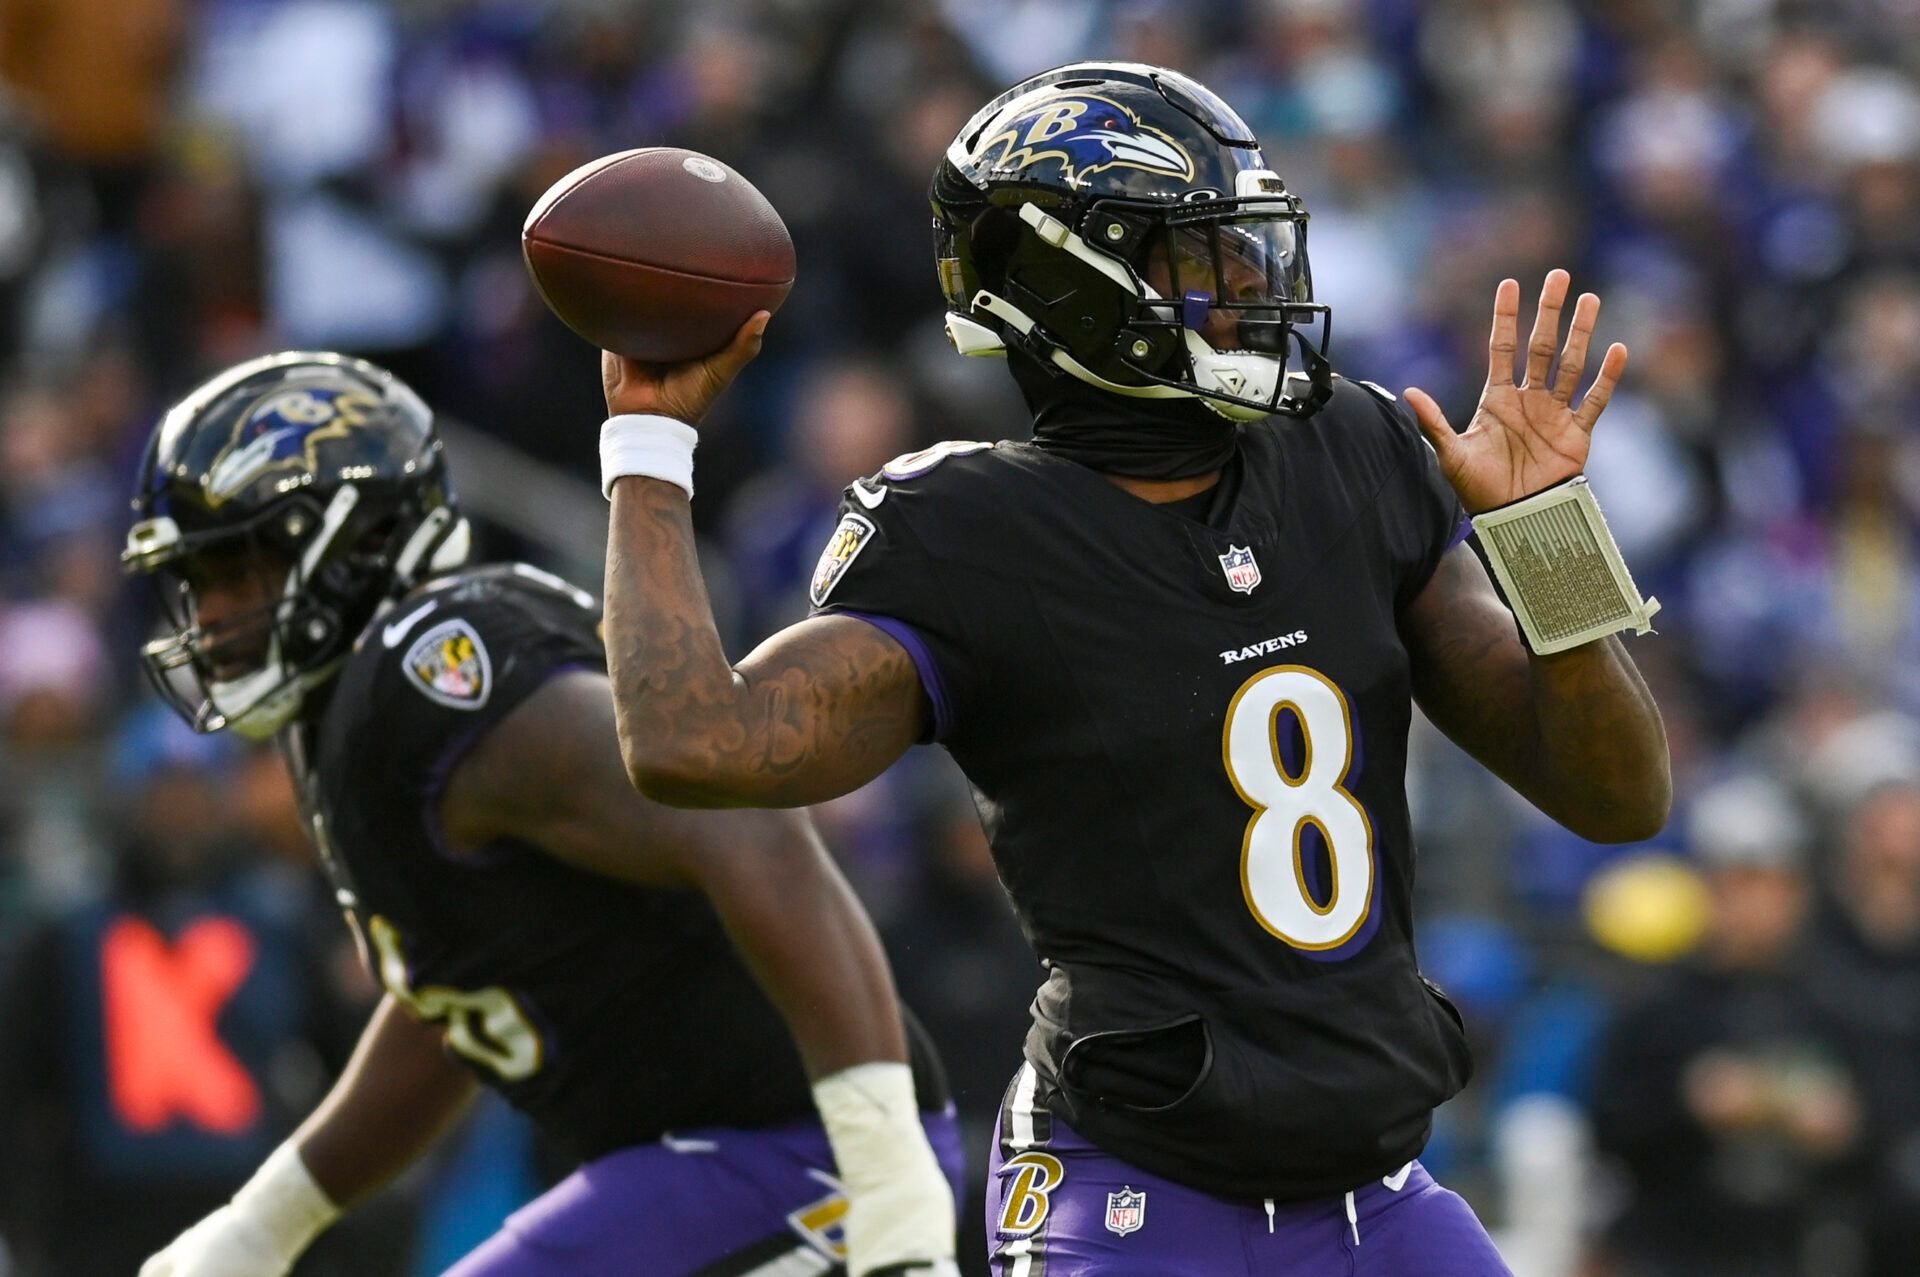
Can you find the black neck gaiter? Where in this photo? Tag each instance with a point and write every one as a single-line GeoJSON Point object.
{"type": "Point", "coordinates": [1135, 438]}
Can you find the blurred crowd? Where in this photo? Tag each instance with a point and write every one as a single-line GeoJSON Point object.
{"type": "Point", "coordinates": [1699, 1056]}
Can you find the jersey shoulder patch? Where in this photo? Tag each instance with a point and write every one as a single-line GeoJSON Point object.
{"type": "Point", "coordinates": [843, 547]}
{"type": "Point", "coordinates": [435, 632]}
{"type": "Point", "coordinates": [911, 465]}
{"type": "Point", "coordinates": [448, 663]}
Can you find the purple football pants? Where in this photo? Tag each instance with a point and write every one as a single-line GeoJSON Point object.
{"type": "Point", "coordinates": [1057, 1206]}
{"type": "Point", "coordinates": [708, 1203]}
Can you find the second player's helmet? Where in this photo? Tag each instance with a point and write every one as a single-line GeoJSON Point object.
{"type": "Point", "coordinates": [318, 475]}
{"type": "Point", "coordinates": [1101, 216]}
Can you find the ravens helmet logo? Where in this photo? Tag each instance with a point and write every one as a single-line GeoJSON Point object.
{"type": "Point", "coordinates": [1086, 134]}
{"type": "Point", "coordinates": [281, 432]}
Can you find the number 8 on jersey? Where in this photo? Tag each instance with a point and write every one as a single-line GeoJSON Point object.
{"type": "Point", "coordinates": [1273, 872]}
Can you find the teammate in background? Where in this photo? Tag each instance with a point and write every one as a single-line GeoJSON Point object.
{"type": "Point", "coordinates": [654, 988]}
{"type": "Point", "coordinates": [1174, 642]}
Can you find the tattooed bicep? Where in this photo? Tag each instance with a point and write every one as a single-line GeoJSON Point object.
{"type": "Point", "coordinates": [836, 688]}
{"type": "Point", "coordinates": [819, 709]}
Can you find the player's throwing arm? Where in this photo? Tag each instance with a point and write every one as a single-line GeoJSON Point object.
{"type": "Point", "coordinates": [692, 731]}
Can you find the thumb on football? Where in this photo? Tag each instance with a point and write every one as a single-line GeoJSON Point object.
{"type": "Point", "coordinates": [717, 371]}
{"type": "Point", "coordinates": [723, 365]}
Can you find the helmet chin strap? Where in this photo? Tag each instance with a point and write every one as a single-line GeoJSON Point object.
{"type": "Point", "coordinates": [1243, 375]}
{"type": "Point", "coordinates": [261, 703]}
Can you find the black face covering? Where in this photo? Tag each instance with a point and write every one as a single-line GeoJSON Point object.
{"type": "Point", "coordinates": [1114, 434]}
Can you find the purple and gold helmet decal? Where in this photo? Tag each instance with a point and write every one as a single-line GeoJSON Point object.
{"type": "Point", "coordinates": [281, 431]}
{"type": "Point", "coordinates": [1085, 134]}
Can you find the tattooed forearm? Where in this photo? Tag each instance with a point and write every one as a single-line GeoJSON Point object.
{"type": "Point", "coordinates": [817, 710]}
{"type": "Point", "coordinates": [1577, 733]}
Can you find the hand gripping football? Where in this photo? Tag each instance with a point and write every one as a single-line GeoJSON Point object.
{"type": "Point", "coordinates": [658, 254]}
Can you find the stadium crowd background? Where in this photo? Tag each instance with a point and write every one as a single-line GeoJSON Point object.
{"type": "Point", "coordinates": [1699, 1057]}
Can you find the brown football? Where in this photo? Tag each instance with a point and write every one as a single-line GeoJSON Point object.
{"type": "Point", "coordinates": [658, 254]}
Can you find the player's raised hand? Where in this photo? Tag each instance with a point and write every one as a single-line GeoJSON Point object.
{"type": "Point", "coordinates": [682, 391]}
{"type": "Point", "coordinates": [1525, 436]}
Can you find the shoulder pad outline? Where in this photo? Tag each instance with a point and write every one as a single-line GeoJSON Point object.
{"type": "Point", "coordinates": [911, 465]}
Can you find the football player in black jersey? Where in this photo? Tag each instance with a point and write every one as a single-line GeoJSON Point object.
{"type": "Point", "coordinates": [653, 987]}
{"type": "Point", "coordinates": [1174, 641]}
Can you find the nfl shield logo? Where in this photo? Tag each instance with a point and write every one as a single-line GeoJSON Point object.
{"type": "Point", "coordinates": [1242, 572]}
{"type": "Point", "coordinates": [1126, 1211]}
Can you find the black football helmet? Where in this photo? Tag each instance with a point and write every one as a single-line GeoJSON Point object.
{"type": "Point", "coordinates": [1104, 216]}
{"type": "Point", "coordinates": [320, 474]}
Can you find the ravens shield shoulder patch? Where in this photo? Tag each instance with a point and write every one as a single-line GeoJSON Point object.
{"type": "Point", "coordinates": [842, 548]}
{"type": "Point", "coordinates": [449, 663]}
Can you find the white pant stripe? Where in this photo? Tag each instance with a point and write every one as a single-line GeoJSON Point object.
{"type": "Point", "coordinates": [1021, 1109]}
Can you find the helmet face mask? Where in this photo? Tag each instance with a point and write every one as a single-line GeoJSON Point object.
{"type": "Point", "coordinates": [247, 663]}
{"type": "Point", "coordinates": [1118, 223]}
{"type": "Point", "coordinates": [281, 506]}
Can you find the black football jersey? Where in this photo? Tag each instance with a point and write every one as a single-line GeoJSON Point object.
{"type": "Point", "coordinates": [1188, 740]}
{"type": "Point", "coordinates": [609, 1012]}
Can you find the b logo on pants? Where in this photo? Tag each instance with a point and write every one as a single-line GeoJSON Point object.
{"type": "Point", "coordinates": [1031, 1178]}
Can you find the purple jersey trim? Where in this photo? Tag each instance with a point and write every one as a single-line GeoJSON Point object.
{"type": "Point", "coordinates": [908, 637]}
{"type": "Point", "coordinates": [1461, 533]}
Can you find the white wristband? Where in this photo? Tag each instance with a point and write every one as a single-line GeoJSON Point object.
{"type": "Point", "coordinates": [286, 1202]}
{"type": "Point", "coordinates": [901, 1204]}
{"type": "Point", "coordinates": [643, 444]}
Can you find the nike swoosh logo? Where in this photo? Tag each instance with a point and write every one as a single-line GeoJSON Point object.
{"type": "Point", "coordinates": [868, 496]}
{"type": "Point", "coordinates": [393, 633]}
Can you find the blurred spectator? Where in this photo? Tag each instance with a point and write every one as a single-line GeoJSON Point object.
{"type": "Point", "coordinates": [1507, 71]}
{"type": "Point", "coordinates": [850, 418]}
{"type": "Point", "coordinates": [52, 683]}
{"type": "Point", "coordinates": [1728, 1094]}
{"type": "Point", "coordinates": [1866, 970]}
{"type": "Point", "coordinates": [96, 79]}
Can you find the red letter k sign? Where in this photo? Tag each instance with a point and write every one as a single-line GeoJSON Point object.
{"type": "Point", "coordinates": [164, 1059]}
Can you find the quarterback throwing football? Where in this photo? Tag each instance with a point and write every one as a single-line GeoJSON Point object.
{"type": "Point", "coordinates": [1174, 641]}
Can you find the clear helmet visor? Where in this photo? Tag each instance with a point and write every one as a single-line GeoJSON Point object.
{"type": "Point", "coordinates": [1237, 281]}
